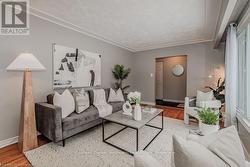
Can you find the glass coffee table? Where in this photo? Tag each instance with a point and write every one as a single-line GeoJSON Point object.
{"type": "Point", "coordinates": [129, 122]}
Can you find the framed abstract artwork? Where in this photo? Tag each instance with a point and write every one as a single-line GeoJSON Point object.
{"type": "Point", "coordinates": [73, 67]}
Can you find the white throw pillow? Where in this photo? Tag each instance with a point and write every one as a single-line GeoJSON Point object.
{"type": "Point", "coordinates": [226, 144]}
{"type": "Point", "coordinates": [144, 159]}
{"type": "Point", "coordinates": [188, 153]}
{"type": "Point", "coordinates": [65, 101]}
{"type": "Point", "coordinates": [81, 100]}
{"type": "Point", "coordinates": [202, 96]}
{"type": "Point", "coordinates": [115, 96]}
{"type": "Point", "coordinates": [99, 97]}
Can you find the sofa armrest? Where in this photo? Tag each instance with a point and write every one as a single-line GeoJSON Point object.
{"type": "Point", "coordinates": [49, 121]}
{"type": "Point", "coordinates": [190, 101]}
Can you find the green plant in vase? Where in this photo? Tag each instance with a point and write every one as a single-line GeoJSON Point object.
{"type": "Point", "coordinates": [135, 98]}
{"type": "Point", "coordinates": [208, 120]}
{"type": "Point", "coordinates": [208, 116]}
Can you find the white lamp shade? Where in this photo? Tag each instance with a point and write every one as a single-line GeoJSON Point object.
{"type": "Point", "coordinates": [25, 61]}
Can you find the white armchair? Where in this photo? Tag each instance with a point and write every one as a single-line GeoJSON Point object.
{"type": "Point", "coordinates": [190, 106]}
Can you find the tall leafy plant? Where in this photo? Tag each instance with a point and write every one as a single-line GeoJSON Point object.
{"type": "Point", "coordinates": [120, 73]}
{"type": "Point", "coordinates": [218, 90]}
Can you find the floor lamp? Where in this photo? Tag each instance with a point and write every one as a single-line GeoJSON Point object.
{"type": "Point", "coordinates": [27, 62]}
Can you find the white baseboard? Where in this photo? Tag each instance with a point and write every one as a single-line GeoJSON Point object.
{"type": "Point", "coordinates": [175, 101]}
{"type": "Point", "coordinates": [148, 103]}
{"type": "Point", "coordinates": [12, 140]}
{"type": "Point", "coordinates": [8, 142]}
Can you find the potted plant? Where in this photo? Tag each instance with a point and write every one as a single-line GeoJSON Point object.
{"type": "Point", "coordinates": [218, 90]}
{"type": "Point", "coordinates": [135, 98]}
{"type": "Point", "coordinates": [219, 95]}
{"type": "Point", "coordinates": [209, 120]}
{"type": "Point", "coordinates": [120, 73]}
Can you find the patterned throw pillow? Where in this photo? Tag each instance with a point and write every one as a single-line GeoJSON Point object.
{"type": "Point", "coordinates": [81, 100]}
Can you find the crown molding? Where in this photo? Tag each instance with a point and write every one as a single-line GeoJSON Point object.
{"type": "Point", "coordinates": [166, 45]}
{"type": "Point", "coordinates": [61, 22]}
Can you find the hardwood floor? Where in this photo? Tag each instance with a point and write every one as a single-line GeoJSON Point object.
{"type": "Point", "coordinates": [11, 157]}
{"type": "Point", "coordinates": [173, 112]}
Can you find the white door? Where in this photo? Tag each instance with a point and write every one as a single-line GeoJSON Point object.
{"type": "Point", "coordinates": [159, 80]}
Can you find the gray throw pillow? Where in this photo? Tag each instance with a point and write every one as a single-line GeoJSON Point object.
{"type": "Point", "coordinates": [81, 100]}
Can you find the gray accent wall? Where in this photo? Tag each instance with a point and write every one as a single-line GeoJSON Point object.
{"type": "Point", "coordinates": [39, 42]}
{"type": "Point", "coordinates": [202, 61]}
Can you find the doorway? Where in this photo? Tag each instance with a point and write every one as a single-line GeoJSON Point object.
{"type": "Point", "coordinates": [171, 80]}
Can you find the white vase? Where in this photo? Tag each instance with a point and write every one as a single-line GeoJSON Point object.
{"type": "Point", "coordinates": [207, 129]}
{"type": "Point", "coordinates": [137, 112]}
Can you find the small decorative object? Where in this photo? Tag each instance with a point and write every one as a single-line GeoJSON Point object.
{"type": "Point", "coordinates": [135, 98]}
{"type": "Point", "coordinates": [218, 90]}
{"type": "Point", "coordinates": [73, 67]}
{"type": "Point", "coordinates": [137, 112]}
{"type": "Point", "coordinates": [27, 62]}
{"type": "Point", "coordinates": [178, 70]}
{"type": "Point", "coordinates": [127, 108]}
{"type": "Point", "coordinates": [209, 120]}
{"type": "Point", "coordinates": [195, 132]}
{"type": "Point", "coordinates": [120, 74]}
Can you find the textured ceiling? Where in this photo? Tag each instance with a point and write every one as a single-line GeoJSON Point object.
{"type": "Point", "coordinates": [136, 24]}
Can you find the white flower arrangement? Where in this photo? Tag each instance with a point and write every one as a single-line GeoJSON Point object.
{"type": "Point", "coordinates": [134, 97]}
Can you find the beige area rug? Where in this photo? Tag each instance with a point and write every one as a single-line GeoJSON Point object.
{"type": "Point", "coordinates": [87, 149]}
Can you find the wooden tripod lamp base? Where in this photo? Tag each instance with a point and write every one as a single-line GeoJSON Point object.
{"type": "Point", "coordinates": [27, 62]}
{"type": "Point", "coordinates": [27, 131]}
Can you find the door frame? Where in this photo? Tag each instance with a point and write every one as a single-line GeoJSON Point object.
{"type": "Point", "coordinates": [162, 57]}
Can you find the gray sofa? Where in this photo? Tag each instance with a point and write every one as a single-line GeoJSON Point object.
{"type": "Point", "coordinates": [50, 123]}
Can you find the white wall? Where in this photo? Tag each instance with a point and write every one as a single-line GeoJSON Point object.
{"type": "Point", "coordinates": [201, 62]}
{"type": "Point", "coordinates": [39, 42]}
